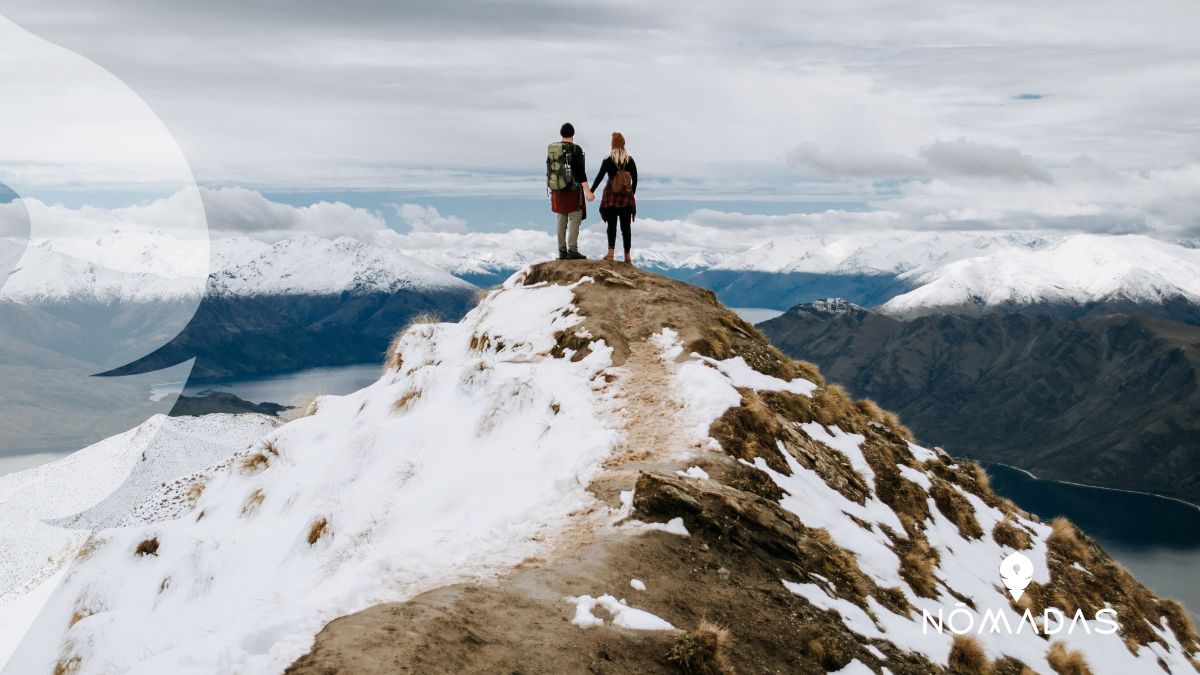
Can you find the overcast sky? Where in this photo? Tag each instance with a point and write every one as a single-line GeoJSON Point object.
{"type": "Point", "coordinates": [1070, 115]}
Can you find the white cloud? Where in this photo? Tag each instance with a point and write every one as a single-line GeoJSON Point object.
{"type": "Point", "coordinates": [428, 219]}
{"type": "Point", "coordinates": [242, 211]}
{"type": "Point", "coordinates": [942, 159]}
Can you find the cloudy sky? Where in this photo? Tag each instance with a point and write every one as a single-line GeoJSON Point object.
{"type": "Point", "coordinates": [432, 116]}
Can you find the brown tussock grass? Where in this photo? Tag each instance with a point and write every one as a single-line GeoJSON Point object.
{"type": "Point", "coordinates": [259, 461]}
{"type": "Point", "coordinates": [394, 361]}
{"type": "Point", "coordinates": [147, 547]}
{"type": "Point", "coordinates": [317, 530]}
{"type": "Point", "coordinates": [1006, 533]}
{"type": "Point", "coordinates": [195, 490]}
{"type": "Point", "coordinates": [956, 508]}
{"type": "Point", "coordinates": [917, 565]}
{"type": "Point", "coordinates": [89, 547]}
{"type": "Point", "coordinates": [79, 614]}
{"type": "Point", "coordinates": [68, 665]}
{"type": "Point", "coordinates": [1181, 624]}
{"type": "Point", "coordinates": [407, 400]}
{"type": "Point", "coordinates": [1065, 539]}
{"type": "Point", "coordinates": [748, 431]}
{"type": "Point", "coordinates": [968, 658]}
{"type": "Point", "coordinates": [704, 651]}
{"type": "Point", "coordinates": [253, 501]}
{"type": "Point", "coordinates": [1067, 662]}
{"type": "Point", "coordinates": [1007, 665]}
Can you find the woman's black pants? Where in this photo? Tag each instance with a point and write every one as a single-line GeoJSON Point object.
{"type": "Point", "coordinates": [625, 216]}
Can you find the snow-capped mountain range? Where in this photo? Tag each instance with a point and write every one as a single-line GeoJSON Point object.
{"type": "Point", "coordinates": [579, 408]}
{"type": "Point", "coordinates": [937, 269]}
{"type": "Point", "coordinates": [1079, 269]}
{"type": "Point", "coordinates": [148, 267]}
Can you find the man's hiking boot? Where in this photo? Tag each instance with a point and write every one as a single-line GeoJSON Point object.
{"type": "Point", "coordinates": [575, 255]}
{"type": "Point", "coordinates": [563, 255]}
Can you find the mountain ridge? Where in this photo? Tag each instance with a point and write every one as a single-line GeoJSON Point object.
{"type": "Point", "coordinates": [586, 426]}
{"type": "Point", "coordinates": [1103, 399]}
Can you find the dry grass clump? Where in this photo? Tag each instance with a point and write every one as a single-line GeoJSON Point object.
{"type": "Point", "coordinates": [956, 508]}
{"type": "Point", "coordinates": [968, 658]}
{"type": "Point", "coordinates": [253, 501]}
{"type": "Point", "coordinates": [394, 360]}
{"type": "Point", "coordinates": [871, 409]}
{"type": "Point", "coordinates": [407, 400]}
{"type": "Point", "coordinates": [1007, 665]}
{"type": "Point", "coordinates": [830, 652]}
{"type": "Point", "coordinates": [703, 651]}
{"type": "Point", "coordinates": [317, 530]}
{"type": "Point", "coordinates": [1181, 624]}
{"type": "Point", "coordinates": [750, 430]}
{"type": "Point", "coordinates": [81, 612]}
{"type": "Point", "coordinates": [68, 665]}
{"type": "Point", "coordinates": [1008, 534]}
{"type": "Point", "coordinates": [833, 405]}
{"type": "Point", "coordinates": [147, 547]}
{"type": "Point", "coordinates": [809, 371]}
{"type": "Point", "coordinates": [730, 336]}
{"type": "Point", "coordinates": [89, 547]}
{"type": "Point", "coordinates": [257, 461]}
{"type": "Point", "coordinates": [917, 563]}
{"type": "Point", "coordinates": [195, 490]}
{"type": "Point", "coordinates": [1065, 540]}
{"type": "Point", "coordinates": [1067, 662]}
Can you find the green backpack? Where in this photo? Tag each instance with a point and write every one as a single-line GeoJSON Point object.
{"type": "Point", "coordinates": [558, 166]}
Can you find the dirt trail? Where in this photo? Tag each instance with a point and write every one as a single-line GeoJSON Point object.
{"type": "Point", "coordinates": [654, 431]}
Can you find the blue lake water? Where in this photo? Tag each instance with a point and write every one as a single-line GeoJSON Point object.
{"type": "Point", "coordinates": [1157, 538]}
{"type": "Point", "coordinates": [288, 388]}
{"type": "Point", "coordinates": [756, 315]}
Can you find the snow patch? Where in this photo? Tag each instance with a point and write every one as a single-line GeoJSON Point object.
{"type": "Point", "coordinates": [623, 616]}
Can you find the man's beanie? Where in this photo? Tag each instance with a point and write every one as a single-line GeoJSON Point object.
{"type": "Point", "coordinates": [567, 130]}
{"type": "Point", "coordinates": [618, 140]}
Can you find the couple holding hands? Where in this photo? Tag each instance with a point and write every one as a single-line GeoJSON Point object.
{"type": "Point", "coordinates": [566, 180]}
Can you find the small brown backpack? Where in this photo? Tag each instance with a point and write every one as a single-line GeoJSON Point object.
{"type": "Point", "coordinates": [622, 180]}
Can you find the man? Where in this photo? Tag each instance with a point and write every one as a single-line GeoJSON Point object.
{"type": "Point", "coordinates": [566, 178]}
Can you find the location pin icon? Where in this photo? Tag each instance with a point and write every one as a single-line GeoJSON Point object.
{"type": "Point", "coordinates": [1016, 571]}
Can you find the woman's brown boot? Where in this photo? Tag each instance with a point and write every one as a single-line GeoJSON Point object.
{"type": "Point", "coordinates": [628, 257]}
{"type": "Point", "coordinates": [611, 252]}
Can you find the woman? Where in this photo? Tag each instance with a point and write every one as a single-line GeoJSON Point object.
{"type": "Point", "coordinates": [618, 203]}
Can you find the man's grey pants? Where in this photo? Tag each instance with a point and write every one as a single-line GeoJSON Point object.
{"type": "Point", "coordinates": [569, 242]}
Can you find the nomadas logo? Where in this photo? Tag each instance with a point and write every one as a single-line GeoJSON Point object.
{"type": "Point", "coordinates": [1016, 573]}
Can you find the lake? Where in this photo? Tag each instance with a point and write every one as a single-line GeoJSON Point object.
{"type": "Point", "coordinates": [288, 388]}
{"type": "Point", "coordinates": [1157, 538]}
{"type": "Point", "coordinates": [755, 315]}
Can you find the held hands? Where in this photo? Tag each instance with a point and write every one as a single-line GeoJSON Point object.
{"type": "Point", "coordinates": [591, 196]}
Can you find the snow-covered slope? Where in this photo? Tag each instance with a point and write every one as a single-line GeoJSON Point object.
{"type": "Point", "coordinates": [1077, 269]}
{"type": "Point", "coordinates": [46, 513]}
{"type": "Point", "coordinates": [501, 443]}
{"type": "Point", "coordinates": [453, 466]}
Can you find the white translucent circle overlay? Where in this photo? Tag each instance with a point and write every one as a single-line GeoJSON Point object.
{"type": "Point", "coordinates": [87, 284]}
